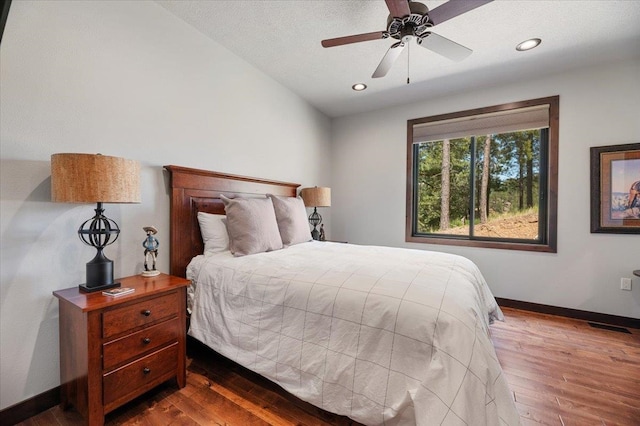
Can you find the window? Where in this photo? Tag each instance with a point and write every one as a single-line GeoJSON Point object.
{"type": "Point", "coordinates": [485, 177]}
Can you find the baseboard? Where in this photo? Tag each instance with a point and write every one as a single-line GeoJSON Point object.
{"type": "Point", "coordinates": [30, 407]}
{"type": "Point", "coordinates": [570, 313]}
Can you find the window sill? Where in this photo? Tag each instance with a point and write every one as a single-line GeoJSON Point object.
{"type": "Point", "coordinates": [543, 248]}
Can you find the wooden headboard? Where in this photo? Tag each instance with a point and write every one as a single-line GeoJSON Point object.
{"type": "Point", "coordinates": [194, 191]}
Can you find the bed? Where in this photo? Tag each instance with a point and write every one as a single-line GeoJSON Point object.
{"type": "Point", "coordinates": [382, 335]}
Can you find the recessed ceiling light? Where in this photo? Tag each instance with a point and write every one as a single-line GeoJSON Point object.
{"type": "Point", "coordinates": [359, 87]}
{"type": "Point", "coordinates": [528, 44]}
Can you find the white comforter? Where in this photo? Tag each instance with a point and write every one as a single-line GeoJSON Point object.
{"type": "Point", "coordinates": [382, 335]}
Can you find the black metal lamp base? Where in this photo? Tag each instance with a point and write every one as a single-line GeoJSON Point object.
{"type": "Point", "coordinates": [90, 289]}
{"type": "Point", "coordinates": [99, 274]}
{"type": "Point", "coordinates": [315, 219]}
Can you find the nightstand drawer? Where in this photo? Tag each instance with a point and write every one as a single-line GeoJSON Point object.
{"type": "Point", "coordinates": [140, 376]}
{"type": "Point", "coordinates": [119, 320]}
{"type": "Point", "coordinates": [120, 350]}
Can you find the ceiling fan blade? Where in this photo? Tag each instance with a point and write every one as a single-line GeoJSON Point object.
{"type": "Point", "coordinates": [453, 8]}
{"type": "Point", "coordinates": [445, 47]}
{"type": "Point", "coordinates": [398, 8]}
{"type": "Point", "coordinates": [389, 58]}
{"type": "Point", "coordinates": [339, 41]}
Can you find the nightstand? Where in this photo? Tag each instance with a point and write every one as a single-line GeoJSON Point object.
{"type": "Point", "coordinates": [113, 349]}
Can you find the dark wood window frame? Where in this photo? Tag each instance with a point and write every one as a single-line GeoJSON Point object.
{"type": "Point", "coordinates": [549, 242]}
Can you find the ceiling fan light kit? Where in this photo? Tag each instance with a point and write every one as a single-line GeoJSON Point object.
{"type": "Point", "coordinates": [407, 20]}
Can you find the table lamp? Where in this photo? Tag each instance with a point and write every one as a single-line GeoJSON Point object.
{"type": "Point", "coordinates": [316, 197]}
{"type": "Point", "coordinates": [95, 178]}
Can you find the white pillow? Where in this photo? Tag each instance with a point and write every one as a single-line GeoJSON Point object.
{"type": "Point", "coordinates": [252, 225]}
{"type": "Point", "coordinates": [213, 228]}
{"type": "Point", "coordinates": [292, 219]}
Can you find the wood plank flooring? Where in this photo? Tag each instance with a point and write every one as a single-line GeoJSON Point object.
{"type": "Point", "coordinates": [561, 371]}
{"type": "Point", "coordinates": [564, 372]}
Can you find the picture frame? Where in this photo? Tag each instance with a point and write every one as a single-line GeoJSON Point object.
{"type": "Point", "coordinates": [615, 189]}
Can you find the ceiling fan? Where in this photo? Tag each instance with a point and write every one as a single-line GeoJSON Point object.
{"type": "Point", "coordinates": [409, 19]}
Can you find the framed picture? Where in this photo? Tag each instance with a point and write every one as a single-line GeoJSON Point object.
{"type": "Point", "coordinates": [615, 189]}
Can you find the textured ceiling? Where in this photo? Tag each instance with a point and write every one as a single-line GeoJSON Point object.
{"type": "Point", "coordinates": [282, 38]}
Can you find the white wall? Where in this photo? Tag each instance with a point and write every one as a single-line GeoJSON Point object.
{"type": "Point", "coordinates": [125, 79]}
{"type": "Point", "coordinates": [598, 106]}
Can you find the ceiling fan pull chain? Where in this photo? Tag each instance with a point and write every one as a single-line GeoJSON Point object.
{"type": "Point", "coordinates": [408, 56]}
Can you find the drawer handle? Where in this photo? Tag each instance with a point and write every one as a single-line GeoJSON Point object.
{"type": "Point", "coordinates": [146, 340]}
{"type": "Point", "coordinates": [146, 313]}
{"type": "Point", "coordinates": [146, 370]}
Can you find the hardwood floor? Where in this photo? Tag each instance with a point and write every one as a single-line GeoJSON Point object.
{"type": "Point", "coordinates": [564, 372]}
{"type": "Point", "coordinates": [561, 371]}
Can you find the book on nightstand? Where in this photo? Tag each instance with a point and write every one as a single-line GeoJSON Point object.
{"type": "Point", "coordinates": [119, 291]}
